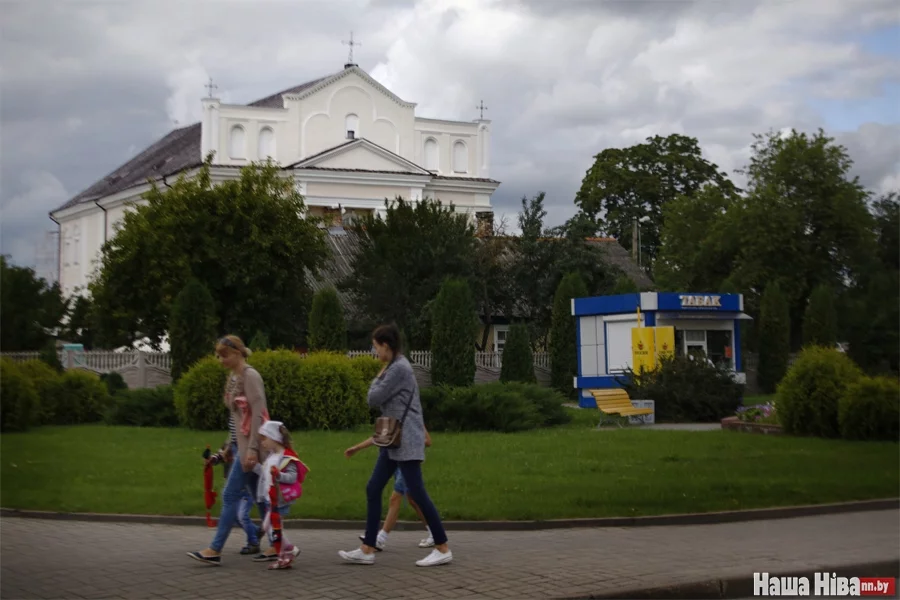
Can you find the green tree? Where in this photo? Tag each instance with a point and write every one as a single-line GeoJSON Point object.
{"type": "Point", "coordinates": [820, 318]}
{"type": "Point", "coordinates": [774, 338]}
{"type": "Point", "coordinates": [30, 309]}
{"type": "Point", "coordinates": [625, 184]}
{"type": "Point", "coordinates": [244, 239]}
{"type": "Point", "coordinates": [563, 350]}
{"type": "Point", "coordinates": [518, 359]}
{"type": "Point", "coordinates": [454, 325]}
{"type": "Point", "coordinates": [192, 327]}
{"type": "Point", "coordinates": [259, 342]}
{"type": "Point", "coordinates": [402, 260]}
{"type": "Point", "coordinates": [327, 328]}
{"type": "Point", "coordinates": [79, 329]}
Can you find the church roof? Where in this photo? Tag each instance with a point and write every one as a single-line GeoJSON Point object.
{"type": "Point", "coordinates": [177, 151]}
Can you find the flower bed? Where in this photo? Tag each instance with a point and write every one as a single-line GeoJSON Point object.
{"type": "Point", "coordinates": [754, 419]}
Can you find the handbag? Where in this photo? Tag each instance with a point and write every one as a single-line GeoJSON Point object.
{"type": "Point", "coordinates": [389, 430]}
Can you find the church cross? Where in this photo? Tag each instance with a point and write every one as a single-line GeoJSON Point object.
{"type": "Point", "coordinates": [210, 87]}
{"type": "Point", "coordinates": [481, 107]}
{"type": "Point", "coordinates": [351, 43]}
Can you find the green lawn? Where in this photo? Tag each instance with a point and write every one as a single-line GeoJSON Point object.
{"type": "Point", "coordinates": [570, 471]}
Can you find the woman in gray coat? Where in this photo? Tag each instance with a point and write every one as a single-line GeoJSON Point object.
{"type": "Point", "coordinates": [392, 391]}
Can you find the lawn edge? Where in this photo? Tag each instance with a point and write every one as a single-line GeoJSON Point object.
{"type": "Point", "coordinates": [742, 587]}
{"type": "Point", "coordinates": [711, 518]}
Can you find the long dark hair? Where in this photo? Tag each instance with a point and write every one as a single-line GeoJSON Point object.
{"type": "Point", "coordinates": [389, 335]}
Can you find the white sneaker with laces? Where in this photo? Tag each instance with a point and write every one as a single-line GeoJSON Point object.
{"type": "Point", "coordinates": [357, 557]}
{"type": "Point", "coordinates": [427, 542]}
{"type": "Point", "coordinates": [380, 542]}
{"type": "Point", "coordinates": [435, 558]}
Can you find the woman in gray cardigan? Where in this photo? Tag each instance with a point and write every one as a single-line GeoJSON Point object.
{"type": "Point", "coordinates": [392, 391]}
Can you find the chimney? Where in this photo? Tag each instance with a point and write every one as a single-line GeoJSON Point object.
{"type": "Point", "coordinates": [484, 223]}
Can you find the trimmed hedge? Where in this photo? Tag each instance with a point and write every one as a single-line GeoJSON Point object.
{"type": "Point", "coordinates": [83, 398]}
{"type": "Point", "coordinates": [809, 395]}
{"type": "Point", "coordinates": [332, 393]}
{"type": "Point", "coordinates": [504, 407]}
{"type": "Point", "coordinates": [145, 407]}
{"type": "Point", "coordinates": [198, 396]}
{"type": "Point", "coordinates": [518, 359]}
{"type": "Point", "coordinates": [47, 382]}
{"type": "Point", "coordinates": [454, 324]}
{"type": "Point", "coordinates": [870, 410]}
{"type": "Point", "coordinates": [367, 366]}
{"type": "Point", "coordinates": [282, 379]}
{"type": "Point", "coordinates": [19, 402]}
{"type": "Point", "coordinates": [686, 390]}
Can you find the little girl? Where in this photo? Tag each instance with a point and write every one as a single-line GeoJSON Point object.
{"type": "Point", "coordinates": [286, 471]}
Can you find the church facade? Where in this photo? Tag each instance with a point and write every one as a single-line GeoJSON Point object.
{"type": "Point", "coordinates": [348, 142]}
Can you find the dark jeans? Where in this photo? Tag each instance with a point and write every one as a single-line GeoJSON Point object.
{"type": "Point", "coordinates": [412, 473]}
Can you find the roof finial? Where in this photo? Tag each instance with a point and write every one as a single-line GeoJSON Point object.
{"type": "Point", "coordinates": [210, 87]}
{"type": "Point", "coordinates": [481, 107]}
{"type": "Point", "coordinates": [351, 43]}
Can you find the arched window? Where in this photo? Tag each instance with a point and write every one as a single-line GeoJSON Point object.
{"type": "Point", "coordinates": [236, 142]}
{"type": "Point", "coordinates": [460, 157]}
{"type": "Point", "coordinates": [431, 154]}
{"type": "Point", "coordinates": [351, 125]}
{"type": "Point", "coordinates": [266, 144]}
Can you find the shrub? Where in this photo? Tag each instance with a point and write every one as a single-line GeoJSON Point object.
{"type": "Point", "coordinates": [686, 390]}
{"type": "Point", "coordinates": [333, 395]}
{"type": "Point", "coordinates": [453, 335]}
{"type": "Point", "coordinates": [870, 410]}
{"type": "Point", "coordinates": [563, 350]}
{"type": "Point", "coordinates": [367, 366]}
{"type": "Point", "coordinates": [327, 327]}
{"type": "Point", "coordinates": [282, 378]}
{"type": "Point", "coordinates": [198, 396]}
{"type": "Point", "coordinates": [18, 398]}
{"type": "Point", "coordinates": [760, 413]}
{"type": "Point", "coordinates": [115, 383]}
{"type": "Point", "coordinates": [518, 360]}
{"type": "Point", "coordinates": [192, 327]}
{"type": "Point", "coordinates": [505, 407]}
{"type": "Point", "coordinates": [83, 398]}
{"type": "Point", "coordinates": [260, 342]}
{"type": "Point", "coordinates": [47, 383]}
{"type": "Point", "coordinates": [145, 407]}
{"type": "Point", "coordinates": [809, 394]}
{"type": "Point", "coordinates": [820, 319]}
{"type": "Point", "coordinates": [49, 354]}
{"type": "Point", "coordinates": [774, 338]}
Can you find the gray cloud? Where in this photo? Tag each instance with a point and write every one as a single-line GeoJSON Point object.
{"type": "Point", "coordinates": [86, 85]}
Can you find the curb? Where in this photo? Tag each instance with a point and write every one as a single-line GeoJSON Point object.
{"type": "Point", "coordinates": [713, 518]}
{"type": "Point", "coordinates": [742, 587]}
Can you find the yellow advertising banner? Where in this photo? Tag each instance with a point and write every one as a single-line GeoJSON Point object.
{"type": "Point", "coordinates": [665, 341]}
{"type": "Point", "coordinates": [643, 349]}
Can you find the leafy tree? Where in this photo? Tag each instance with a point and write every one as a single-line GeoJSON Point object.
{"type": "Point", "coordinates": [245, 240]}
{"type": "Point", "coordinates": [49, 355]}
{"type": "Point", "coordinates": [192, 327]}
{"type": "Point", "coordinates": [774, 338]}
{"type": "Point", "coordinates": [259, 342]}
{"type": "Point", "coordinates": [563, 351]}
{"type": "Point", "coordinates": [453, 335]}
{"type": "Point", "coordinates": [402, 260]}
{"type": "Point", "coordinates": [79, 329]}
{"type": "Point", "coordinates": [518, 360]}
{"type": "Point", "coordinates": [492, 280]}
{"type": "Point", "coordinates": [625, 184]}
{"type": "Point", "coordinates": [30, 309]}
{"type": "Point", "coordinates": [327, 328]}
{"type": "Point", "coordinates": [820, 319]}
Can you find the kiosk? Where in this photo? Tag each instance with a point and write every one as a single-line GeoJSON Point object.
{"type": "Point", "coordinates": [703, 325]}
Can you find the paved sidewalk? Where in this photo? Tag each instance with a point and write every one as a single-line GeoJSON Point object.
{"type": "Point", "coordinates": [67, 559]}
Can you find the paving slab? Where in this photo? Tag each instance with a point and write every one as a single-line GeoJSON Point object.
{"type": "Point", "coordinates": [72, 559]}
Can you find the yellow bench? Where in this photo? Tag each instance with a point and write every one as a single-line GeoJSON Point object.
{"type": "Point", "coordinates": [617, 402]}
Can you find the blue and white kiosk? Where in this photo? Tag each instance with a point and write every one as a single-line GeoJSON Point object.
{"type": "Point", "coordinates": [705, 325]}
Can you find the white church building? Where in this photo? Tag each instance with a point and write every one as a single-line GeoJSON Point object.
{"type": "Point", "coordinates": [349, 143]}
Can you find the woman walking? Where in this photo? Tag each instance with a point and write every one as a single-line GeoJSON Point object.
{"type": "Point", "coordinates": [245, 398]}
{"type": "Point", "coordinates": [396, 393]}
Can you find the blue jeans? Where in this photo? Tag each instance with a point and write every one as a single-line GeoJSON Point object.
{"type": "Point", "coordinates": [415, 487]}
{"type": "Point", "coordinates": [252, 531]}
{"type": "Point", "coordinates": [237, 483]}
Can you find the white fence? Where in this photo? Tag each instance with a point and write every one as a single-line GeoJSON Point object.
{"type": "Point", "coordinates": [150, 369]}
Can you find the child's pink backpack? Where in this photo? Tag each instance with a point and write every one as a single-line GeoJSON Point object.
{"type": "Point", "coordinates": [292, 491]}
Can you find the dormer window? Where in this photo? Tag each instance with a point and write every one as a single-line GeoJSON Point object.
{"type": "Point", "coordinates": [351, 123]}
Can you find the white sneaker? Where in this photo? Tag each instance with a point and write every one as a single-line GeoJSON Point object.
{"type": "Point", "coordinates": [357, 557]}
{"type": "Point", "coordinates": [380, 542]}
{"type": "Point", "coordinates": [435, 558]}
{"type": "Point", "coordinates": [427, 542]}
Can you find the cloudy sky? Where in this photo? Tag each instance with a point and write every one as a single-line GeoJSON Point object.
{"type": "Point", "coordinates": [87, 85]}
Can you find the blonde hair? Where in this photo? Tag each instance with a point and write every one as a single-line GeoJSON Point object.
{"type": "Point", "coordinates": [285, 437]}
{"type": "Point", "coordinates": [234, 344]}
